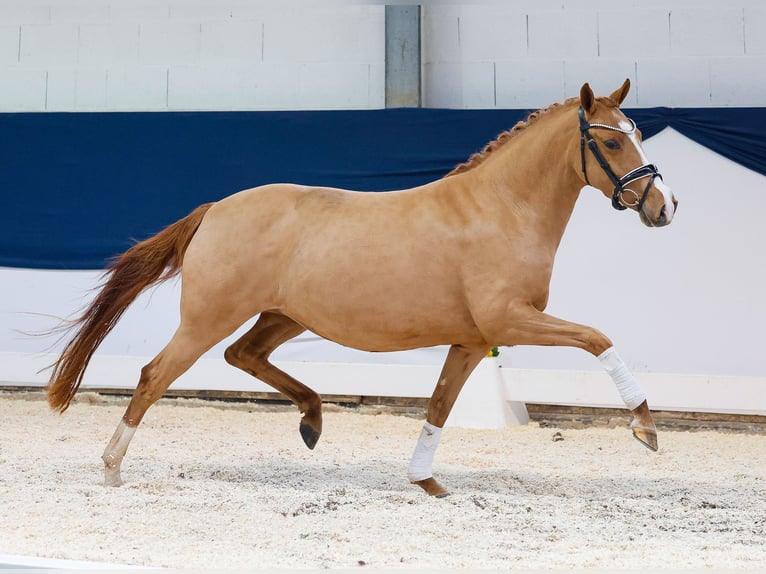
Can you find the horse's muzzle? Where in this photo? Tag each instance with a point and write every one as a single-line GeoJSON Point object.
{"type": "Point", "coordinates": [663, 217]}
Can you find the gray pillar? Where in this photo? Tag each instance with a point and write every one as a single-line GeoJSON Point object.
{"type": "Point", "coordinates": [402, 56]}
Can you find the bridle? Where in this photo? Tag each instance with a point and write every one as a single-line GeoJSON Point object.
{"type": "Point", "coordinates": [646, 170]}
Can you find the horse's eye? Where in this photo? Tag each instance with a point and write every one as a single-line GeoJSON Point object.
{"type": "Point", "coordinates": [612, 144]}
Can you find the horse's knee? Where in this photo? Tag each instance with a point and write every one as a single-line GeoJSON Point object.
{"type": "Point", "coordinates": [596, 342]}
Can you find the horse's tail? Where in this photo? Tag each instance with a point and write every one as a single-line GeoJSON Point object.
{"type": "Point", "coordinates": [147, 263]}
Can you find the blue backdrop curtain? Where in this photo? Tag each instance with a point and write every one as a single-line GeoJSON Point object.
{"type": "Point", "coordinates": [80, 188]}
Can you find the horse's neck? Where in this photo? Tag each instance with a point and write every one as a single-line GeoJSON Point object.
{"type": "Point", "coordinates": [532, 177]}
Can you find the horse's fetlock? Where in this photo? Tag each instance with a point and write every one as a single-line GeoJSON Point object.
{"type": "Point", "coordinates": [314, 404]}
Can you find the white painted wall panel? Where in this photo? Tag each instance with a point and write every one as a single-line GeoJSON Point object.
{"type": "Point", "coordinates": [318, 56]}
{"type": "Point", "coordinates": [140, 88]}
{"type": "Point", "coordinates": [22, 89]}
{"type": "Point", "coordinates": [440, 34]}
{"type": "Point", "coordinates": [20, 12]}
{"type": "Point", "coordinates": [338, 85]}
{"type": "Point", "coordinates": [599, 41]}
{"type": "Point", "coordinates": [491, 32]}
{"type": "Point", "coordinates": [49, 46]}
{"type": "Point", "coordinates": [351, 34]}
{"type": "Point", "coordinates": [198, 10]}
{"type": "Point", "coordinates": [708, 32]}
{"type": "Point", "coordinates": [9, 44]}
{"type": "Point", "coordinates": [230, 41]}
{"type": "Point", "coordinates": [460, 84]}
{"type": "Point", "coordinates": [248, 10]}
{"type": "Point", "coordinates": [563, 33]}
{"type": "Point", "coordinates": [276, 87]}
{"type": "Point", "coordinates": [738, 82]}
{"type": "Point", "coordinates": [673, 38]}
{"type": "Point", "coordinates": [60, 90]}
{"type": "Point", "coordinates": [523, 84]}
{"type": "Point", "coordinates": [79, 89]}
{"type": "Point", "coordinates": [673, 82]}
{"type": "Point", "coordinates": [79, 12]}
{"type": "Point", "coordinates": [169, 43]}
{"type": "Point", "coordinates": [90, 88]}
{"type": "Point", "coordinates": [620, 32]}
{"type": "Point", "coordinates": [755, 31]}
{"type": "Point", "coordinates": [113, 44]}
{"type": "Point", "coordinates": [138, 11]}
{"type": "Point", "coordinates": [208, 88]}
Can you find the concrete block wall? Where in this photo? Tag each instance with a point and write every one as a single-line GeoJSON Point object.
{"type": "Point", "coordinates": [98, 55]}
{"type": "Point", "coordinates": [527, 54]}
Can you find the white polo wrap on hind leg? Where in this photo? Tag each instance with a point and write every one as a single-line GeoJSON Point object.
{"type": "Point", "coordinates": [631, 392]}
{"type": "Point", "coordinates": [421, 465]}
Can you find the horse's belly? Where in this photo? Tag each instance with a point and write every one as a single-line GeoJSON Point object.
{"type": "Point", "coordinates": [393, 323]}
{"type": "Point", "coordinates": [381, 338]}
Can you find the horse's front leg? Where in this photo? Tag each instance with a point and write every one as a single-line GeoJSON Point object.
{"type": "Point", "coordinates": [528, 326]}
{"type": "Point", "coordinates": [461, 361]}
{"type": "Point", "coordinates": [633, 396]}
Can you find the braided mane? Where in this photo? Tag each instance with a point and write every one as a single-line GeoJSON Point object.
{"type": "Point", "coordinates": [477, 158]}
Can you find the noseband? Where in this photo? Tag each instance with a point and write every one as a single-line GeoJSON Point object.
{"type": "Point", "coordinates": [646, 170]}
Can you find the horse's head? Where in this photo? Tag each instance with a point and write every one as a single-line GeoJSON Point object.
{"type": "Point", "coordinates": [614, 162]}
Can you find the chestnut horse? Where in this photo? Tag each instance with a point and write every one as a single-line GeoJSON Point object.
{"type": "Point", "coordinates": [423, 272]}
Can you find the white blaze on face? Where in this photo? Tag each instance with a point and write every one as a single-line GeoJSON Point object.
{"type": "Point", "coordinates": [667, 194]}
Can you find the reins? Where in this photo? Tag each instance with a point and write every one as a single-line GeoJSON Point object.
{"type": "Point", "coordinates": [646, 170]}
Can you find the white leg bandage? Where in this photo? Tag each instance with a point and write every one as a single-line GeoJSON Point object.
{"type": "Point", "coordinates": [631, 392]}
{"type": "Point", "coordinates": [421, 465]}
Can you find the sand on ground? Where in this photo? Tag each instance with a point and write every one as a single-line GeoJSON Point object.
{"type": "Point", "coordinates": [222, 485]}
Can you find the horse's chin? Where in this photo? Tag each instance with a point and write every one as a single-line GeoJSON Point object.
{"type": "Point", "coordinates": [645, 220]}
{"type": "Point", "coordinates": [650, 223]}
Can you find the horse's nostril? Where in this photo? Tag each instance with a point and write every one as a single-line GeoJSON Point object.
{"type": "Point", "coordinates": [663, 215]}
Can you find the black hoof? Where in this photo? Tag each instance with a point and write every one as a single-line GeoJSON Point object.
{"type": "Point", "coordinates": [310, 435]}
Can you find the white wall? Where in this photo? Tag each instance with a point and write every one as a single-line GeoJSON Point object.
{"type": "Point", "coordinates": [526, 54]}
{"type": "Point", "coordinates": [97, 55]}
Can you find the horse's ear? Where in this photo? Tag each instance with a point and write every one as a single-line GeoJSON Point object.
{"type": "Point", "coordinates": [619, 95]}
{"type": "Point", "coordinates": [587, 99]}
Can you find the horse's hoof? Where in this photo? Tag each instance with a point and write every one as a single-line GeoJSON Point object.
{"type": "Point", "coordinates": [113, 480]}
{"type": "Point", "coordinates": [646, 436]}
{"type": "Point", "coordinates": [432, 487]}
{"type": "Point", "coordinates": [309, 434]}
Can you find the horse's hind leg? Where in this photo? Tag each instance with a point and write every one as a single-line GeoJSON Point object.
{"type": "Point", "coordinates": [181, 352]}
{"type": "Point", "coordinates": [251, 353]}
{"type": "Point", "coordinates": [460, 363]}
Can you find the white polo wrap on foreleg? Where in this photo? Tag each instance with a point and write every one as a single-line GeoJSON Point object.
{"type": "Point", "coordinates": [631, 392]}
{"type": "Point", "coordinates": [421, 465]}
